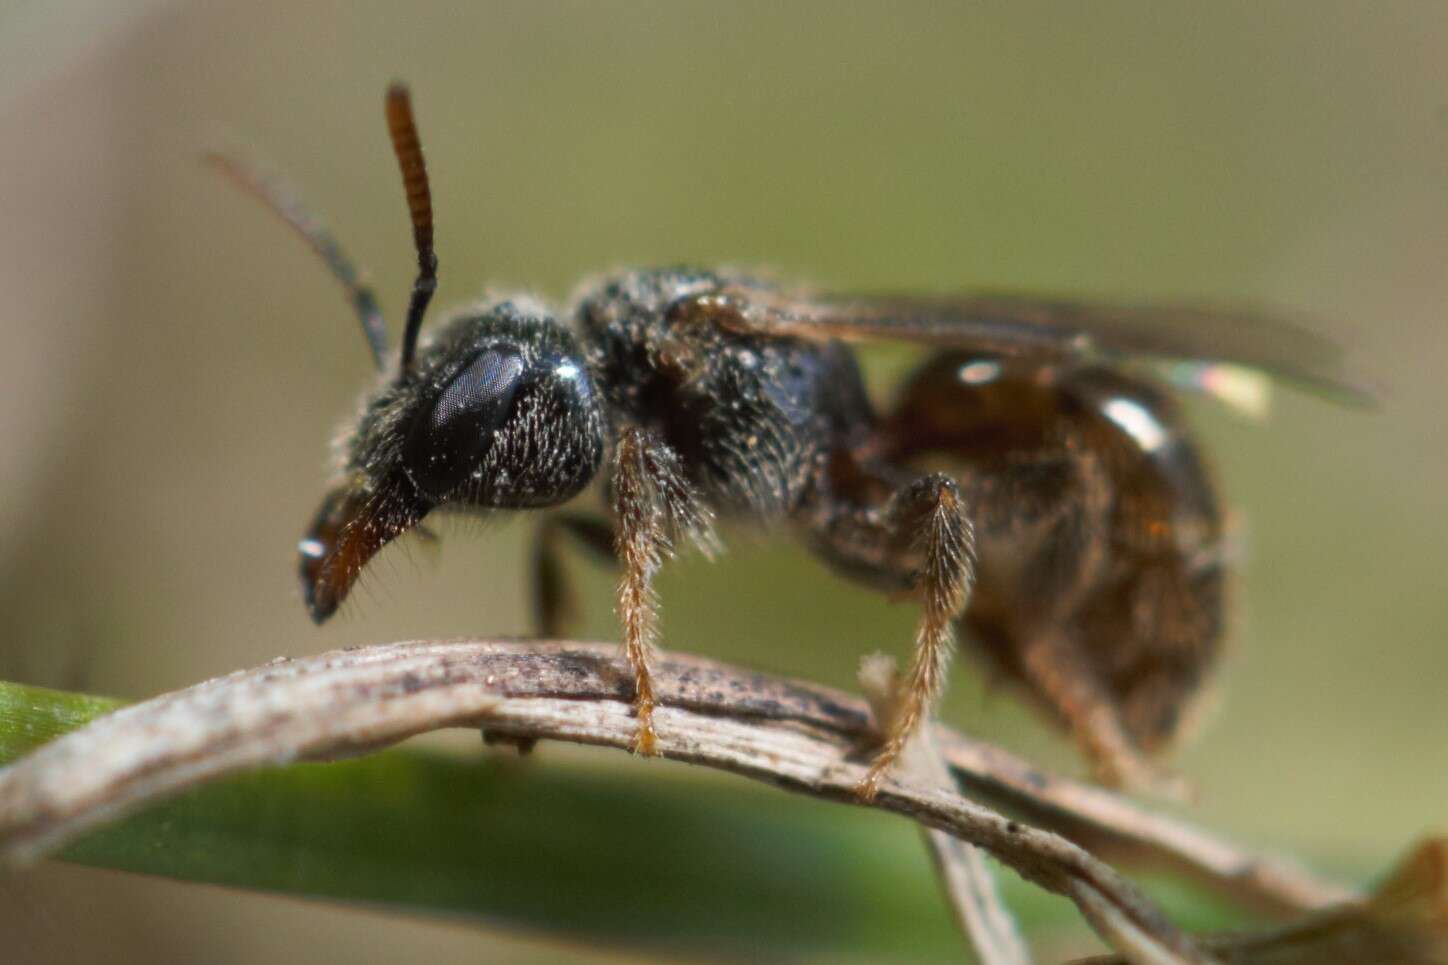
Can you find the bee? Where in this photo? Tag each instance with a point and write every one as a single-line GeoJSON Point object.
{"type": "Point", "coordinates": [1028, 484]}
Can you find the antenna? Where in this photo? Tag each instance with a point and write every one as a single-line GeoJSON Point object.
{"type": "Point", "coordinates": [279, 197]}
{"type": "Point", "coordinates": [403, 129]}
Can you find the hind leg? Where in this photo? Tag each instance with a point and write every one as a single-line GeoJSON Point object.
{"type": "Point", "coordinates": [1154, 641]}
{"type": "Point", "coordinates": [1046, 555]}
{"type": "Point", "coordinates": [1055, 667]}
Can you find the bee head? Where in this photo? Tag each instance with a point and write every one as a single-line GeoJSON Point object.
{"type": "Point", "coordinates": [498, 411]}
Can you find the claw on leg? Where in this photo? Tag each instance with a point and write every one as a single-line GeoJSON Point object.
{"type": "Point", "coordinates": [869, 786]}
{"type": "Point", "coordinates": [911, 707]}
{"type": "Point", "coordinates": [645, 741]}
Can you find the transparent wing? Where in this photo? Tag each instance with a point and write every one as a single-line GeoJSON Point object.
{"type": "Point", "coordinates": [1213, 340]}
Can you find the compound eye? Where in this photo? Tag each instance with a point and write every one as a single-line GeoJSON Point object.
{"type": "Point", "coordinates": [447, 443]}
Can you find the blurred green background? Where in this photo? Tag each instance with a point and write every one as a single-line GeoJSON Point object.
{"type": "Point", "coordinates": [174, 362]}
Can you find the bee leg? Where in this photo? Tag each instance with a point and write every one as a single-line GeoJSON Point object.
{"type": "Point", "coordinates": [927, 518]}
{"type": "Point", "coordinates": [555, 607]}
{"type": "Point", "coordinates": [1051, 663]}
{"type": "Point", "coordinates": [655, 506]}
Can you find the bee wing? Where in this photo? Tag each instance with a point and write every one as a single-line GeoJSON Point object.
{"type": "Point", "coordinates": [1209, 340]}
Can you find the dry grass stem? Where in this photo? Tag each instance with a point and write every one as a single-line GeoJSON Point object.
{"type": "Point", "coordinates": [975, 902]}
{"type": "Point", "coordinates": [800, 737]}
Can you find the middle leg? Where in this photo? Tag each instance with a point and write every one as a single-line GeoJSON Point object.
{"type": "Point", "coordinates": [920, 538]}
{"type": "Point", "coordinates": [927, 512]}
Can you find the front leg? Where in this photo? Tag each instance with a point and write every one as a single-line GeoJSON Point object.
{"type": "Point", "coordinates": [555, 608]}
{"type": "Point", "coordinates": [655, 507]}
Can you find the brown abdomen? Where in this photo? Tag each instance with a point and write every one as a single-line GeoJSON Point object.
{"type": "Point", "coordinates": [1095, 519]}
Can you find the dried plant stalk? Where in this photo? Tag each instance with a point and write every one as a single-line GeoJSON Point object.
{"type": "Point", "coordinates": [979, 911]}
{"type": "Point", "coordinates": [796, 736]}
{"type": "Point", "coordinates": [1404, 922]}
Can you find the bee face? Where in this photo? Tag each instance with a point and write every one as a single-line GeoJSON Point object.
{"type": "Point", "coordinates": [499, 411]}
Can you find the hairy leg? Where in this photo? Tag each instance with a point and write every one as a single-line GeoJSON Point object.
{"type": "Point", "coordinates": [1052, 663]}
{"type": "Point", "coordinates": [926, 516]}
{"type": "Point", "coordinates": [655, 507]}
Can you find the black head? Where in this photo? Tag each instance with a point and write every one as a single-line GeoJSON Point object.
{"type": "Point", "coordinates": [497, 410]}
